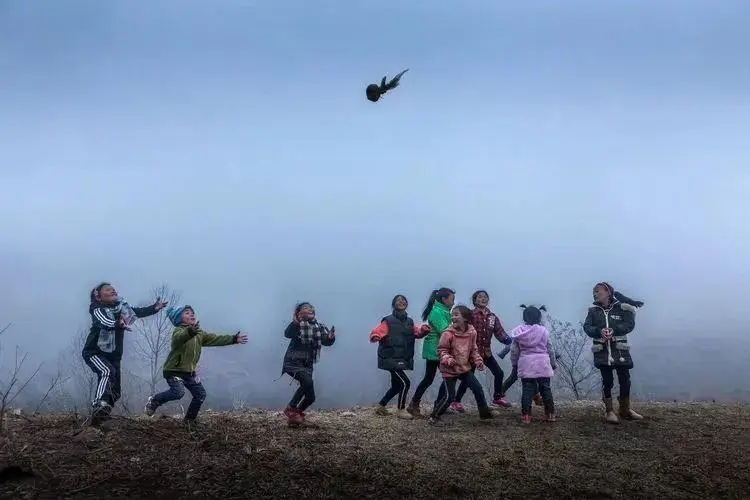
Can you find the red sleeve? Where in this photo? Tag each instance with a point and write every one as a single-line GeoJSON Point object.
{"type": "Point", "coordinates": [379, 332]}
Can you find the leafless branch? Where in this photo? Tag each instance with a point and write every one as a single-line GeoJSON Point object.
{"type": "Point", "coordinates": [54, 382]}
{"type": "Point", "coordinates": [15, 385]}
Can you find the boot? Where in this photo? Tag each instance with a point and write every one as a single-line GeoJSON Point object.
{"type": "Point", "coordinates": [626, 412]}
{"type": "Point", "coordinates": [382, 411]}
{"type": "Point", "coordinates": [404, 415]}
{"type": "Point", "coordinates": [610, 416]}
{"type": "Point", "coordinates": [485, 413]}
{"type": "Point", "coordinates": [414, 409]}
{"type": "Point", "coordinates": [551, 418]}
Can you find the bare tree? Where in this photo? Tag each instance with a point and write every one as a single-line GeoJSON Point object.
{"type": "Point", "coordinates": [14, 383]}
{"type": "Point", "coordinates": [575, 364]}
{"type": "Point", "coordinates": [153, 336]}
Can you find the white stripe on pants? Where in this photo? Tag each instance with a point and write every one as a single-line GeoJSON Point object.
{"type": "Point", "coordinates": [103, 379]}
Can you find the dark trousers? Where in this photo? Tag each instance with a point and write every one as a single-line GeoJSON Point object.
{"type": "Point", "coordinates": [497, 372]}
{"type": "Point", "coordinates": [512, 378]}
{"type": "Point", "coordinates": [448, 393]}
{"type": "Point", "coordinates": [399, 386]}
{"type": "Point", "coordinates": [530, 387]}
{"type": "Point", "coordinates": [608, 380]}
{"type": "Point", "coordinates": [108, 379]}
{"type": "Point", "coordinates": [304, 396]}
{"type": "Point", "coordinates": [431, 368]}
{"type": "Point", "coordinates": [177, 385]}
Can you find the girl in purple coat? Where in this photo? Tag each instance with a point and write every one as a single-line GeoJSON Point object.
{"type": "Point", "coordinates": [532, 355]}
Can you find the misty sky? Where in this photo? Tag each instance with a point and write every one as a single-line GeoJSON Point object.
{"type": "Point", "coordinates": [227, 148]}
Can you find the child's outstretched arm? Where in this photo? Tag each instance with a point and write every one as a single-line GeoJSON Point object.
{"type": "Point", "coordinates": [515, 353]}
{"type": "Point", "coordinates": [379, 333]}
{"type": "Point", "coordinates": [216, 340]}
{"type": "Point", "coordinates": [499, 332]}
{"type": "Point", "coordinates": [328, 337]}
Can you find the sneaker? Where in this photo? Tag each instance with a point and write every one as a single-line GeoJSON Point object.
{"type": "Point", "coordinates": [525, 419]}
{"type": "Point", "coordinates": [414, 410]}
{"type": "Point", "coordinates": [485, 413]}
{"type": "Point", "coordinates": [294, 418]}
{"type": "Point", "coordinates": [382, 411]}
{"type": "Point", "coordinates": [551, 418]}
{"type": "Point", "coordinates": [289, 411]}
{"type": "Point", "coordinates": [404, 415]}
{"type": "Point", "coordinates": [149, 409]}
{"type": "Point", "coordinates": [502, 402]}
{"type": "Point", "coordinates": [458, 407]}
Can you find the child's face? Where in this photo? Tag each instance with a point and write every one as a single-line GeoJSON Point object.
{"type": "Point", "coordinates": [482, 300]}
{"type": "Point", "coordinates": [458, 321]}
{"type": "Point", "coordinates": [400, 304]}
{"type": "Point", "coordinates": [449, 300]}
{"type": "Point", "coordinates": [601, 295]}
{"type": "Point", "coordinates": [306, 312]}
{"type": "Point", "coordinates": [108, 294]}
{"type": "Point", "coordinates": [188, 317]}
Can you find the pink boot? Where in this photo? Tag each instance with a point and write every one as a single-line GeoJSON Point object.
{"type": "Point", "coordinates": [502, 402]}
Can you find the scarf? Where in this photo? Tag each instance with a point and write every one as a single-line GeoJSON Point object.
{"type": "Point", "coordinates": [311, 333]}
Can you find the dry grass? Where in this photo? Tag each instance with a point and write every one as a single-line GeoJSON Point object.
{"type": "Point", "coordinates": [680, 451]}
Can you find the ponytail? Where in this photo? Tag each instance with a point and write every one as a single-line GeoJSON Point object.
{"type": "Point", "coordinates": [439, 294]}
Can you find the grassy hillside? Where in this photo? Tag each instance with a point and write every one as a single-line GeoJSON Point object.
{"type": "Point", "coordinates": [680, 451]}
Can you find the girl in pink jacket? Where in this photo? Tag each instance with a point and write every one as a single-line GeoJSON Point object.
{"type": "Point", "coordinates": [532, 355]}
{"type": "Point", "coordinates": [457, 352]}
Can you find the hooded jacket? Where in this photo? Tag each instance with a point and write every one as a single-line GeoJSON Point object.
{"type": "Point", "coordinates": [532, 352]}
{"type": "Point", "coordinates": [439, 319]}
{"type": "Point", "coordinates": [461, 348]}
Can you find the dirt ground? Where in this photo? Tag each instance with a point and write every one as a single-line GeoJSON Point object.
{"type": "Point", "coordinates": [680, 451]}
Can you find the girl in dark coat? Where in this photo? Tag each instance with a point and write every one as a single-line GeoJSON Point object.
{"type": "Point", "coordinates": [306, 338]}
{"type": "Point", "coordinates": [395, 336]}
{"type": "Point", "coordinates": [608, 323]}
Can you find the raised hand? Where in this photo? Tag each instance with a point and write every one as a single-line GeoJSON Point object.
{"type": "Point", "coordinates": [240, 339]}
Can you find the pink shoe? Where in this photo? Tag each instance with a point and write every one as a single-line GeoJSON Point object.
{"type": "Point", "coordinates": [458, 407]}
{"type": "Point", "coordinates": [526, 419]}
{"type": "Point", "coordinates": [501, 401]}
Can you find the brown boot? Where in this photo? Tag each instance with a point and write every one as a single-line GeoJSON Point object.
{"type": "Point", "coordinates": [626, 412]}
{"type": "Point", "coordinates": [414, 409]}
{"type": "Point", "coordinates": [610, 416]}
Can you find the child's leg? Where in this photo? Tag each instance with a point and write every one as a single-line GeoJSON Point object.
{"type": "Point", "coordinates": [476, 388]}
{"type": "Point", "coordinates": [545, 388]}
{"type": "Point", "coordinates": [297, 396]}
{"type": "Point", "coordinates": [429, 376]}
{"type": "Point", "coordinates": [623, 380]}
{"type": "Point", "coordinates": [528, 386]}
{"type": "Point", "coordinates": [116, 386]}
{"type": "Point", "coordinates": [176, 391]}
{"type": "Point", "coordinates": [404, 390]}
{"type": "Point", "coordinates": [510, 380]}
{"type": "Point", "coordinates": [448, 393]}
{"type": "Point", "coordinates": [396, 388]}
{"type": "Point", "coordinates": [199, 395]}
{"type": "Point", "coordinates": [462, 386]}
{"type": "Point", "coordinates": [104, 371]}
{"type": "Point", "coordinates": [497, 372]}
{"type": "Point", "coordinates": [608, 381]}
{"type": "Point", "coordinates": [308, 390]}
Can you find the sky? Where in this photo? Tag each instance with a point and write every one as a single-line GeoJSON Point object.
{"type": "Point", "coordinates": [226, 148]}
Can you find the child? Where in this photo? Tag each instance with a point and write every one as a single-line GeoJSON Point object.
{"type": "Point", "coordinates": [395, 336]}
{"type": "Point", "coordinates": [111, 315]}
{"type": "Point", "coordinates": [458, 350]}
{"type": "Point", "coordinates": [306, 337]}
{"type": "Point", "coordinates": [533, 357]}
{"type": "Point", "coordinates": [487, 325]}
{"type": "Point", "coordinates": [179, 369]}
{"type": "Point", "coordinates": [608, 323]}
{"type": "Point", "coordinates": [437, 314]}
{"type": "Point", "coordinates": [513, 377]}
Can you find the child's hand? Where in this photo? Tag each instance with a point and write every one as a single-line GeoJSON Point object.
{"type": "Point", "coordinates": [240, 339]}
{"type": "Point", "coordinates": [160, 304]}
{"type": "Point", "coordinates": [606, 334]}
{"type": "Point", "coordinates": [450, 362]}
{"type": "Point", "coordinates": [121, 323]}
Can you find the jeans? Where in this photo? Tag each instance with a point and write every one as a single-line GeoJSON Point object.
{"type": "Point", "coordinates": [608, 380]}
{"type": "Point", "coordinates": [177, 385]}
{"type": "Point", "coordinates": [530, 387]}
{"type": "Point", "coordinates": [494, 367]}
{"type": "Point", "coordinates": [448, 393]}
{"type": "Point", "coordinates": [399, 386]}
{"type": "Point", "coordinates": [510, 380]}
{"type": "Point", "coordinates": [430, 370]}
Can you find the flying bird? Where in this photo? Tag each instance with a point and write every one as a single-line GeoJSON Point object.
{"type": "Point", "coordinates": [374, 91]}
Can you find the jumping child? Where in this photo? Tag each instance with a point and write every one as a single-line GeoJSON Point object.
{"type": "Point", "coordinates": [306, 337]}
{"type": "Point", "coordinates": [179, 369]}
{"type": "Point", "coordinates": [532, 354]}
{"type": "Point", "coordinates": [437, 314]}
{"type": "Point", "coordinates": [458, 351]}
{"type": "Point", "coordinates": [111, 316]}
{"type": "Point", "coordinates": [395, 336]}
{"type": "Point", "coordinates": [487, 325]}
{"type": "Point", "coordinates": [608, 323]}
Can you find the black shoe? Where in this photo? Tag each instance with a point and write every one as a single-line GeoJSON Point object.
{"type": "Point", "coordinates": [485, 413]}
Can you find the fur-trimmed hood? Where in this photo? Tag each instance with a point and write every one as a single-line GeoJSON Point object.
{"type": "Point", "coordinates": [628, 307]}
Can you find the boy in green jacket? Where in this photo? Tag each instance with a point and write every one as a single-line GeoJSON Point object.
{"type": "Point", "coordinates": [179, 369]}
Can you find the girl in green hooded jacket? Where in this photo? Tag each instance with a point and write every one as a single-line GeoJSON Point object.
{"type": "Point", "coordinates": [437, 314]}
